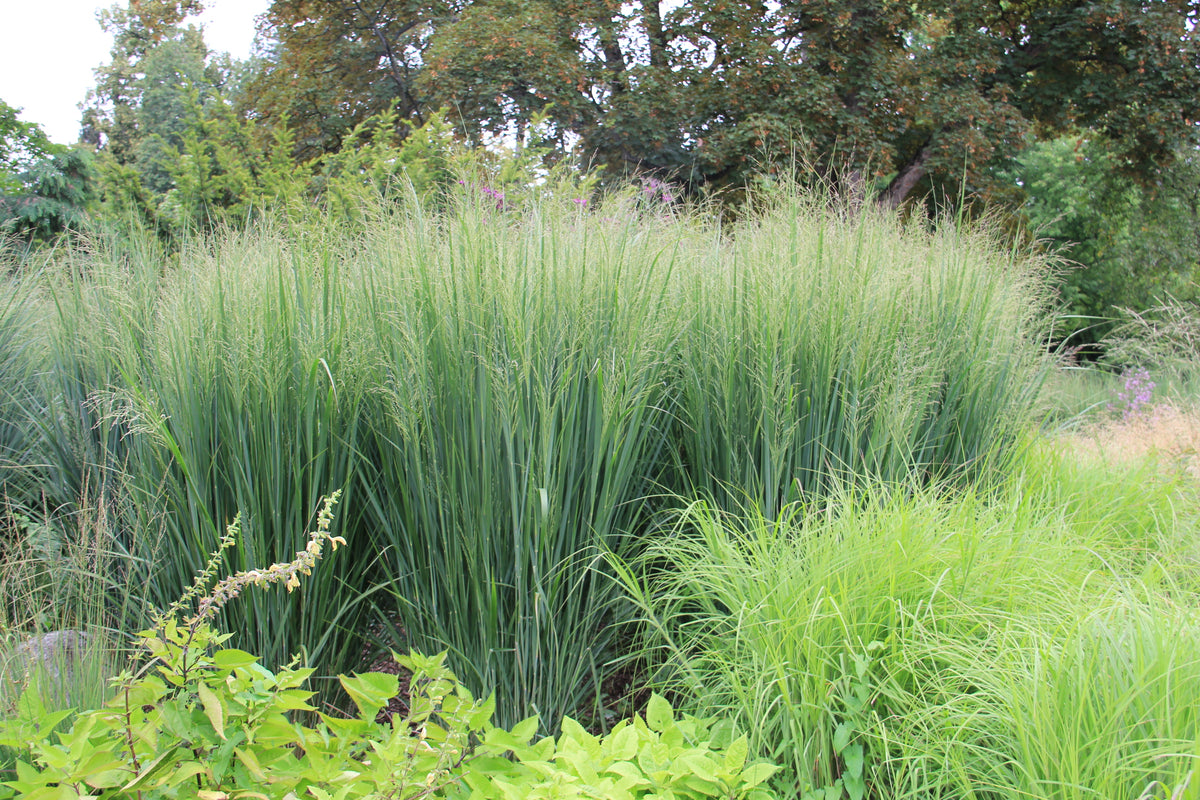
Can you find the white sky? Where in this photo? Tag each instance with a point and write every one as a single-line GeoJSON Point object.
{"type": "Point", "coordinates": [48, 49]}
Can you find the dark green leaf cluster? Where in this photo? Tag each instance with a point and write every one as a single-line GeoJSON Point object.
{"type": "Point", "coordinates": [1127, 245]}
{"type": "Point", "coordinates": [882, 97]}
{"type": "Point", "coordinates": [52, 196]}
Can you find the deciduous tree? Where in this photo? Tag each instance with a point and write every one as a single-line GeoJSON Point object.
{"type": "Point", "coordinates": [22, 144]}
{"type": "Point", "coordinates": [1129, 245]}
{"type": "Point", "coordinates": [901, 97]}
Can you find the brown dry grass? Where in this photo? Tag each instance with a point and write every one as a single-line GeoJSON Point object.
{"type": "Point", "coordinates": [1165, 433]}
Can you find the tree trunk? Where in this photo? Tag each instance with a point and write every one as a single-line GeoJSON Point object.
{"type": "Point", "coordinates": [906, 179]}
{"type": "Point", "coordinates": [654, 32]}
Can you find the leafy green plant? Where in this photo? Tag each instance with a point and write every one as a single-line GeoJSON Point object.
{"type": "Point", "coordinates": [215, 724]}
{"type": "Point", "coordinates": [659, 756]}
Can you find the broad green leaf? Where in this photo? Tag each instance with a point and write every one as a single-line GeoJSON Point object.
{"type": "Point", "coordinates": [151, 769]}
{"type": "Point", "coordinates": [233, 658]}
{"type": "Point", "coordinates": [700, 764]}
{"type": "Point", "coordinates": [294, 700]}
{"type": "Point", "coordinates": [841, 736]}
{"type": "Point", "coordinates": [659, 715]}
{"type": "Point", "coordinates": [482, 715]}
{"type": "Point", "coordinates": [623, 743]}
{"type": "Point", "coordinates": [183, 774]}
{"type": "Point", "coordinates": [855, 785]}
{"type": "Point", "coordinates": [735, 756]}
{"type": "Point", "coordinates": [371, 692]}
{"type": "Point", "coordinates": [698, 786]}
{"type": "Point", "coordinates": [853, 758]}
{"type": "Point", "coordinates": [213, 708]}
{"type": "Point", "coordinates": [101, 770]}
{"type": "Point", "coordinates": [525, 729]}
{"type": "Point", "coordinates": [250, 762]}
{"type": "Point", "coordinates": [572, 731]}
{"type": "Point", "coordinates": [631, 776]}
{"type": "Point", "coordinates": [756, 774]}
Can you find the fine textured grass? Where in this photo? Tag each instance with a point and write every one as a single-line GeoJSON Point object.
{"type": "Point", "coordinates": [200, 390]}
{"type": "Point", "coordinates": [21, 350]}
{"type": "Point", "coordinates": [1089, 699]}
{"type": "Point", "coordinates": [1035, 640]}
{"type": "Point", "coordinates": [64, 574]}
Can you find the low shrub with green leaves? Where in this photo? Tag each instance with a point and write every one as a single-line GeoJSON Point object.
{"type": "Point", "coordinates": [200, 721]}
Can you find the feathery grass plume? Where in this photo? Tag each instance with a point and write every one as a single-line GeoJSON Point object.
{"type": "Point", "coordinates": [1166, 336]}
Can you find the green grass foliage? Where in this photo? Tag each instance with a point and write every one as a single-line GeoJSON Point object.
{"type": "Point", "coordinates": [1039, 639]}
{"type": "Point", "coordinates": [505, 393]}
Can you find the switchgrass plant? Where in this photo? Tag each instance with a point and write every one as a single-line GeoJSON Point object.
{"type": "Point", "coordinates": [523, 417]}
{"type": "Point", "coordinates": [208, 388]}
{"type": "Point", "coordinates": [21, 353]}
{"type": "Point", "coordinates": [505, 391]}
{"type": "Point", "coordinates": [987, 644]}
{"type": "Point", "coordinates": [830, 345]}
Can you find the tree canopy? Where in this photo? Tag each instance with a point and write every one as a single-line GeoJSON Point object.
{"type": "Point", "coordinates": [44, 187]}
{"type": "Point", "coordinates": [907, 95]}
{"type": "Point", "coordinates": [22, 144]}
{"type": "Point", "coordinates": [1078, 116]}
{"type": "Point", "coordinates": [1129, 245]}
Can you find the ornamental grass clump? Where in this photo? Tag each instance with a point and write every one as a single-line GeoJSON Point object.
{"type": "Point", "coordinates": [504, 393]}
{"type": "Point", "coordinates": [208, 384]}
{"type": "Point", "coordinates": [520, 430]}
{"type": "Point", "coordinates": [827, 346]}
{"type": "Point", "coordinates": [1038, 639]}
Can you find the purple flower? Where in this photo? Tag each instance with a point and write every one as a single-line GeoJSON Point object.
{"type": "Point", "coordinates": [1138, 391]}
{"type": "Point", "coordinates": [655, 189]}
{"type": "Point", "coordinates": [496, 195]}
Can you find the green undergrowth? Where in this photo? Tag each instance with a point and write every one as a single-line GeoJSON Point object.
{"type": "Point", "coordinates": [194, 719]}
{"type": "Point", "coordinates": [1039, 639]}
